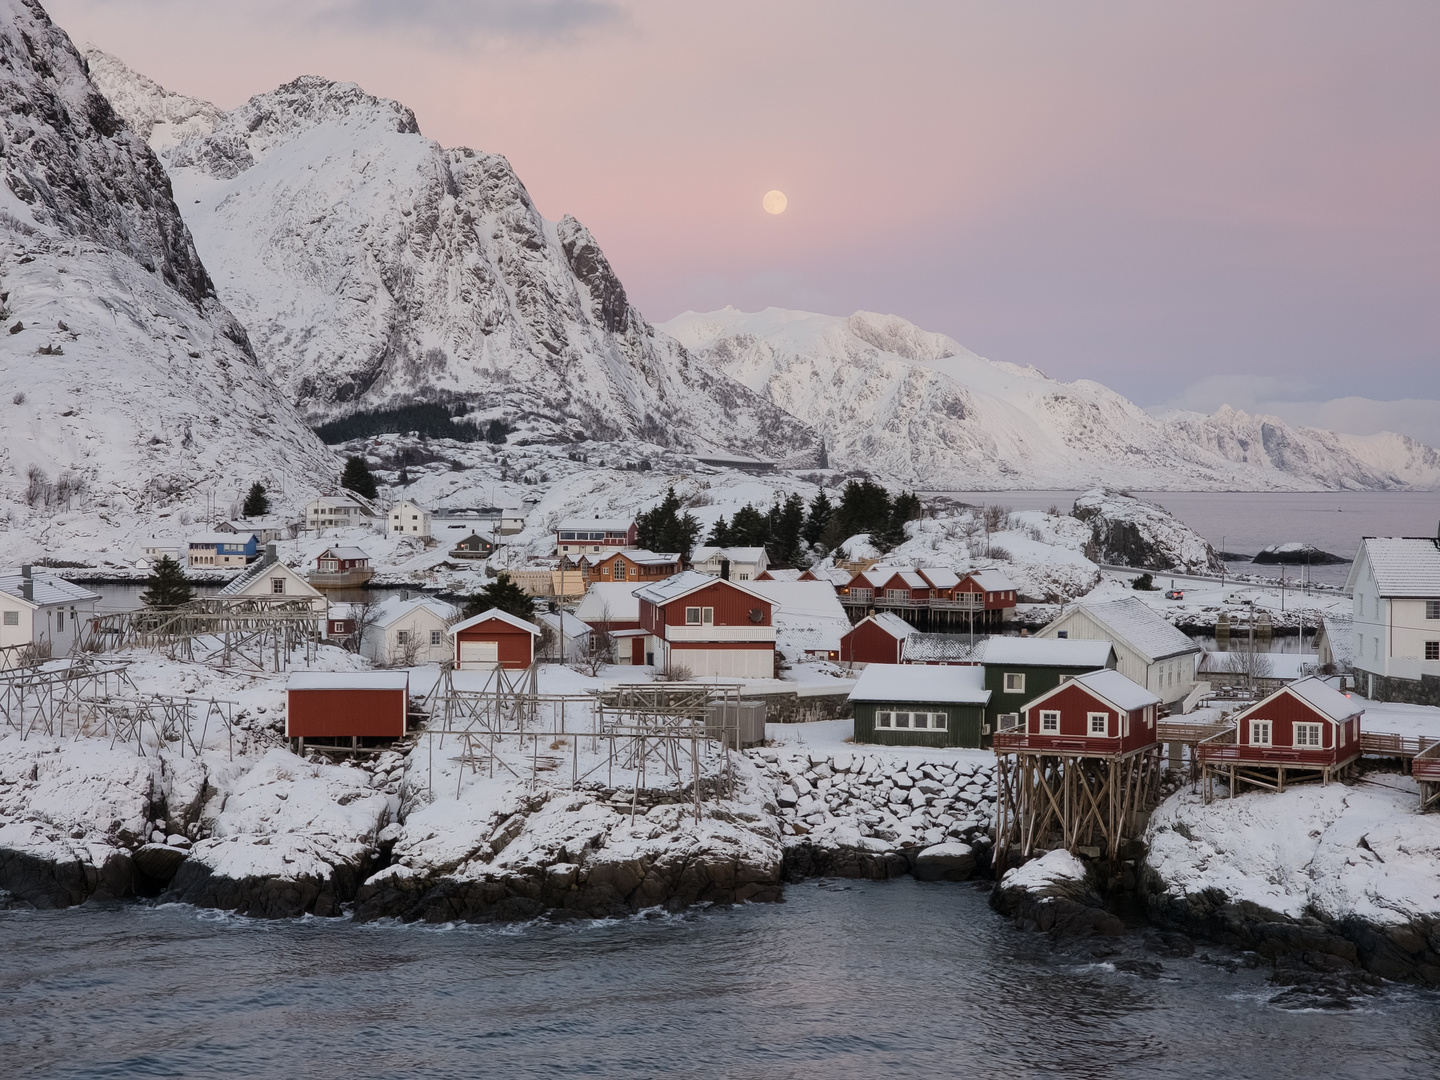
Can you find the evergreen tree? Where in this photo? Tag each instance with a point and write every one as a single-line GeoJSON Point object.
{"type": "Point", "coordinates": [502, 593]}
{"type": "Point", "coordinates": [665, 528]}
{"type": "Point", "coordinates": [906, 507]}
{"type": "Point", "coordinates": [257, 503]}
{"type": "Point", "coordinates": [864, 508]}
{"type": "Point", "coordinates": [820, 514]}
{"type": "Point", "coordinates": [787, 519]}
{"type": "Point", "coordinates": [720, 534]}
{"type": "Point", "coordinates": [749, 528]}
{"type": "Point", "coordinates": [166, 586]}
{"type": "Point", "coordinates": [358, 478]}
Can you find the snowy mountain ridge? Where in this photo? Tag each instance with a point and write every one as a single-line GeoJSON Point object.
{"type": "Point", "coordinates": [131, 393]}
{"type": "Point", "coordinates": [922, 409]}
{"type": "Point", "coordinates": [375, 268]}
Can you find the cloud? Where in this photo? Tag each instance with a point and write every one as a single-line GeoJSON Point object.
{"type": "Point", "coordinates": [1300, 405]}
{"type": "Point", "coordinates": [465, 21]}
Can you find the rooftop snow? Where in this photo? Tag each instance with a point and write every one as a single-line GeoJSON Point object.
{"type": "Point", "coordinates": [1116, 689]}
{"type": "Point", "coordinates": [1340, 633]}
{"type": "Point", "coordinates": [47, 590]}
{"type": "Point", "coordinates": [613, 525]}
{"type": "Point", "coordinates": [1140, 628]}
{"type": "Point", "coordinates": [941, 649]}
{"type": "Point", "coordinates": [801, 599]}
{"type": "Point", "coordinates": [734, 554]}
{"type": "Point", "coordinates": [348, 680]}
{"type": "Point", "coordinates": [344, 553]}
{"type": "Point", "coordinates": [494, 613]}
{"type": "Point", "coordinates": [672, 588]}
{"type": "Point", "coordinates": [891, 623]}
{"type": "Point", "coordinates": [905, 682]}
{"type": "Point", "coordinates": [1044, 652]}
{"type": "Point", "coordinates": [1316, 693]}
{"type": "Point", "coordinates": [991, 580]}
{"type": "Point", "coordinates": [212, 539]}
{"type": "Point", "coordinates": [613, 601]}
{"type": "Point", "coordinates": [940, 577]}
{"type": "Point", "coordinates": [395, 609]}
{"type": "Point", "coordinates": [1403, 566]}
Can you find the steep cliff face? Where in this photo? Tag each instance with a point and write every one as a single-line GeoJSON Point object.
{"type": "Point", "coordinates": [374, 268]}
{"type": "Point", "coordinates": [921, 408]}
{"type": "Point", "coordinates": [128, 385]}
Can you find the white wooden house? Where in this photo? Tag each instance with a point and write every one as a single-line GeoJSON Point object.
{"type": "Point", "coordinates": [408, 632]}
{"type": "Point", "coordinates": [344, 511]}
{"type": "Point", "coordinates": [269, 577]}
{"type": "Point", "coordinates": [408, 518]}
{"type": "Point", "coordinates": [731, 563]}
{"type": "Point", "coordinates": [39, 610]}
{"type": "Point", "coordinates": [1148, 650]}
{"type": "Point", "coordinates": [1394, 586]}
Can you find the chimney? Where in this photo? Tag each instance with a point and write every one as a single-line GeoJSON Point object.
{"type": "Point", "coordinates": [724, 569]}
{"type": "Point", "coordinates": [270, 555]}
{"type": "Point", "coordinates": [27, 583]}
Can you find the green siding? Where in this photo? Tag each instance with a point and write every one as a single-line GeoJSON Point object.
{"type": "Point", "coordinates": [1038, 680]}
{"type": "Point", "coordinates": [964, 729]}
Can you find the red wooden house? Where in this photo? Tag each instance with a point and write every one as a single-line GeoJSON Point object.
{"type": "Point", "coordinates": [875, 639]}
{"type": "Point", "coordinates": [943, 582]}
{"type": "Point", "coordinates": [494, 639]}
{"type": "Point", "coordinates": [987, 593]}
{"type": "Point", "coordinates": [635, 565]}
{"type": "Point", "coordinates": [709, 626]}
{"type": "Point", "coordinates": [339, 708]}
{"type": "Point", "coordinates": [1304, 727]}
{"type": "Point", "coordinates": [1099, 713]}
{"type": "Point", "coordinates": [900, 588]}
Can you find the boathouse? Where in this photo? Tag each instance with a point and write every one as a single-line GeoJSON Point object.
{"type": "Point", "coordinates": [875, 639]}
{"type": "Point", "coordinates": [493, 639]}
{"type": "Point", "coordinates": [346, 709]}
{"type": "Point", "coordinates": [901, 705]}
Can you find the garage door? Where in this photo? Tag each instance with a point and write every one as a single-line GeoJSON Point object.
{"type": "Point", "coordinates": [726, 663]}
{"type": "Point", "coordinates": [479, 654]}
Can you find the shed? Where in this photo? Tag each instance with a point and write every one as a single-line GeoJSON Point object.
{"type": "Point", "coordinates": [900, 705]}
{"type": "Point", "coordinates": [1307, 724]}
{"type": "Point", "coordinates": [875, 639]}
{"type": "Point", "coordinates": [494, 638]}
{"type": "Point", "coordinates": [328, 707]}
{"type": "Point", "coordinates": [1098, 713]}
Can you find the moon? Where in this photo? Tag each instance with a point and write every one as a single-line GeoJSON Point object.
{"type": "Point", "coordinates": [775, 202]}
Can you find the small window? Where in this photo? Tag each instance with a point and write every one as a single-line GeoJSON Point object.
{"type": "Point", "coordinates": [402, 637]}
{"type": "Point", "coordinates": [437, 637]}
{"type": "Point", "coordinates": [1050, 721]}
{"type": "Point", "coordinates": [1259, 732]}
{"type": "Point", "coordinates": [1432, 609]}
{"type": "Point", "coordinates": [883, 719]}
{"type": "Point", "coordinates": [12, 618]}
{"type": "Point", "coordinates": [277, 586]}
{"type": "Point", "coordinates": [902, 719]}
{"type": "Point", "coordinates": [1307, 735]}
{"type": "Point", "coordinates": [1099, 723]}
{"type": "Point", "coordinates": [1432, 650]}
{"type": "Point", "coordinates": [692, 616]}
{"type": "Point", "coordinates": [940, 721]}
{"type": "Point", "coordinates": [59, 620]}
{"type": "Point", "coordinates": [1014, 682]}
{"type": "Point", "coordinates": [1062, 633]}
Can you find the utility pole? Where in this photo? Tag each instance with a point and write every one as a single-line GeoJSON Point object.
{"type": "Point", "coordinates": [1223, 567]}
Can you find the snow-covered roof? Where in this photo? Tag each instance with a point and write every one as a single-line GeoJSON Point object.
{"type": "Point", "coordinates": [1137, 626]}
{"type": "Point", "coordinates": [673, 588]}
{"type": "Point", "coordinates": [1340, 633]}
{"type": "Point", "coordinates": [991, 580]}
{"type": "Point", "coordinates": [641, 557]}
{"type": "Point", "coordinates": [1044, 652]}
{"type": "Point", "coordinates": [801, 599]}
{"type": "Point", "coordinates": [263, 568]}
{"type": "Point", "coordinates": [1316, 693]}
{"type": "Point", "coordinates": [1287, 666]}
{"type": "Point", "coordinates": [734, 554]}
{"type": "Point", "coordinates": [616, 599]}
{"type": "Point", "coordinates": [781, 574]}
{"type": "Point", "coordinates": [905, 682]}
{"type": "Point", "coordinates": [891, 623]}
{"type": "Point", "coordinates": [211, 539]}
{"type": "Point", "coordinates": [1403, 566]}
{"type": "Point", "coordinates": [941, 649]}
{"type": "Point", "coordinates": [47, 590]}
{"type": "Point", "coordinates": [1109, 685]}
{"type": "Point", "coordinates": [939, 577]}
{"type": "Point", "coordinates": [395, 609]}
{"type": "Point", "coordinates": [910, 578]}
{"type": "Point", "coordinates": [833, 574]}
{"type": "Point", "coordinates": [494, 613]}
{"type": "Point", "coordinates": [343, 553]}
{"type": "Point", "coordinates": [348, 680]}
{"type": "Point", "coordinates": [564, 622]}
{"type": "Point", "coordinates": [597, 525]}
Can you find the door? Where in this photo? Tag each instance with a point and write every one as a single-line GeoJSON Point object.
{"type": "Point", "coordinates": [479, 654]}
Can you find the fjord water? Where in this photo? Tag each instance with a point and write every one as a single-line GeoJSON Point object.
{"type": "Point", "coordinates": [844, 979]}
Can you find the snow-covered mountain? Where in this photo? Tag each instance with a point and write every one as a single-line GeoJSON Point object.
{"type": "Point", "coordinates": [922, 409]}
{"type": "Point", "coordinates": [129, 389]}
{"type": "Point", "coordinates": [374, 268]}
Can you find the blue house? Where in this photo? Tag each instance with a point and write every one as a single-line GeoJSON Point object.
{"type": "Point", "coordinates": [223, 550]}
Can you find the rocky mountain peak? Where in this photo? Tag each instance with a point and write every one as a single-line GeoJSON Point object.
{"type": "Point", "coordinates": [71, 164]}
{"type": "Point", "coordinates": [159, 116]}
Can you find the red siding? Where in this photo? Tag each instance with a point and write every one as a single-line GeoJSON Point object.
{"type": "Point", "coordinates": [867, 643]}
{"type": "Point", "coordinates": [1284, 711]}
{"type": "Point", "coordinates": [1075, 704]}
{"type": "Point", "coordinates": [316, 714]}
{"type": "Point", "coordinates": [515, 647]}
{"type": "Point", "coordinates": [732, 606]}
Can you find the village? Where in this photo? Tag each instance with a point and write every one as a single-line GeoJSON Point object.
{"type": "Point", "coordinates": [866, 713]}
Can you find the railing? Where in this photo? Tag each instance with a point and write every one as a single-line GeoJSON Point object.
{"type": "Point", "coordinates": [1176, 731]}
{"type": "Point", "coordinates": [1021, 740]}
{"type": "Point", "coordinates": [1223, 748]}
{"type": "Point", "coordinates": [1385, 744]}
{"type": "Point", "coordinates": [1426, 765]}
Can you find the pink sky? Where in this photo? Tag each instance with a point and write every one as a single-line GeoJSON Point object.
{"type": "Point", "coordinates": [1170, 198]}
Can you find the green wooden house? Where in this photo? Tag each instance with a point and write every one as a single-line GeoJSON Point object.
{"type": "Point", "coordinates": [1019, 669]}
{"type": "Point", "coordinates": [904, 705]}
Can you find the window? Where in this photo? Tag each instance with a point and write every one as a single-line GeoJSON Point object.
{"type": "Point", "coordinates": [1307, 735]}
{"type": "Point", "coordinates": [1432, 609]}
{"type": "Point", "coordinates": [1062, 633]}
{"type": "Point", "coordinates": [402, 637]}
{"type": "Point", "coordinates": [1099, 723]}
{"type": "Point", "coordinates": [743, 577]}
{"type": "Point", "coordinates": [277, 586]}
{"type": "Point", "coordinates": [1014, 682]}
{"type": "Point", "coordinates": [1259, 732]}
{"type": "Point", "coordinates": [619, 570]}
{"type": "Point", "coordinates": [59, 620]}
{"type": "Point", "coordinates": [692, 616]}
{"type": "Point", "coordinates": [902, 719]}
{"type": "Point", "coordinates": [437, 637]}
{"type": "Point", "coordinates": [1432, 650]}
{"type": "Point", "coordinates": [1050, 721]}
{"type": "Point", "coordinates": [12, 618]}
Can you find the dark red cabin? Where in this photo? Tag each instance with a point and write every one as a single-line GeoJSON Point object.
{"type": "Point", "coordinates": [1100, 712]}
{"type": "Point", "coordinates": [875, 639]}
{"type": "Point", "coordinates": [326, 706]}
{"type": "Point", "coordinates": [492, 639]}
{"type": "Point", "coordinates": [1307, 723]}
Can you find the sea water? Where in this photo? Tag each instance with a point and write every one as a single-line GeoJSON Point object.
{"type": "Point", "coordinates": [844, 979]}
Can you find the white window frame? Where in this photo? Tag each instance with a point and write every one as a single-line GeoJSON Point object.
{"type": "Point", "coordinates": [1308, 728]}
{"type": "Point", "coordinates": [1432, 647]}
{"type": "Point", "coordinates": [1104, 720]}
{"type": "Point", "coordinates": [1014, 682]}
{"type": "Point", "coordinates": [277, 586]}
{"type": "Point", "coordinates": [1049, 721]}
{"type": "Point", "coordinates": [402, 637]}
{"type": "Point", "coordinates": [704, 616]}
{"type": "Point", "coordinates": [437, 637]}
{"type": "Point", "coordinates": [12, 618]}
{"type": "Point", "coordinates": [1259, 727]}
{"type": "Point", "coordinates": [1432, 609]}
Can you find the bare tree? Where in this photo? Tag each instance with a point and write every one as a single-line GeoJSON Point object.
{"type": "Point", "coordinates": [598, 649]}
{"type": "Point", "coordinates": [406, 651]}
{"type": "Point", "coordinates": [363, 616]}
{"type": "Point", "coordinates": [674, 672]}
{"type": "Point", "coordinates": [1249, 664]}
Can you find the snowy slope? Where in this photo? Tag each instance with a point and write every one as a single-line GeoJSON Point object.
{"type": "Point", "coordinates": [374, 267]}
{"type": "Point", "coordinates": [122, 371]}
{"type": "Point", "coordinates": [919, 407]}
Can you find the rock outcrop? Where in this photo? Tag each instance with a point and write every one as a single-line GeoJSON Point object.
{"type": "Point", "coordinates": [1132, 532]}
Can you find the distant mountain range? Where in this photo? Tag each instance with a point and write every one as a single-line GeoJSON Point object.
{"type": "Point", "coordinates": [922, 409]}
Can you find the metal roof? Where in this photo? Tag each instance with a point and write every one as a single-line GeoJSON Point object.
{"type": "Point", "coordinates": [991, 580]}
{"type": "Point", "coordinates": [906, 683]}
{"type": "Point", "coordinates": [1403, 566]}
{"type": "Point", "coordinates": [47, 590]}
{"type": "Point", "coordinates": [1045, 652]}
{"type": "Point", "coordinates": [1133, 622]}
{"type": "Point", "coordinates": [348, 680]}
{"type": "Point", "coordinates": [673, 588]}
{"type": "Point", "coordinates": [941, 649]}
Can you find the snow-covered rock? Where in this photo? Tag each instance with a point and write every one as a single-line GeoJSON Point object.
{"type": "Point", "coordinates": [373, 267]}
{"type": "Point", "coordinates": [919, 407]}
{"type": "Point", "coordinates": [1133, 532]}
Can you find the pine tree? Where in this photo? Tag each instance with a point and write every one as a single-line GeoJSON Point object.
{"type": "Point", "coordinates": [820, 513]}
{"type": "Point", "coordinates": [786, 522]}
{"type": "Point", "coordinates": [864, 508]}
{"type": "Point", "coordinates": [749, 528]}
{"type": "Point", "coordinates": [358, 478]}
{"type": "Point", "coordinates": [257, 503]}
{"type": "Point", "coordinates": [166, 586]}
{"type": "Point", "coordinates": [502, 593]}
{"type": "Point", "coordinates": [720, 534]}
{"type": "Point", "coordinates": [665, 528]}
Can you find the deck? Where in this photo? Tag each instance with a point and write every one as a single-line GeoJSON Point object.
{"type": "Point", "coordinates": [344, 579]}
